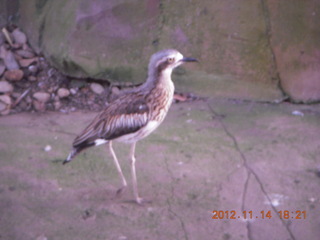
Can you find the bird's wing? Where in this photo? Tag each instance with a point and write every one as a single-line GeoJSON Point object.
{"type": "Point", "coordinates": [125, 115]}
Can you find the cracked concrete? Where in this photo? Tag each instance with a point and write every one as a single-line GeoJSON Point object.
{"type": "Point", "coordinates": [219, 155]}
{"type": "Point", "coordinates": [275, 74]}
{"type": "Point", "coordinates": [171, 199]}
{"type": "Point", "coordinates": [250, 172]}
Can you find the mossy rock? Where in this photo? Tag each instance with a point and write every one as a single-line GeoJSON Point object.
{"type": "Point", "coordinates": [257, 44]}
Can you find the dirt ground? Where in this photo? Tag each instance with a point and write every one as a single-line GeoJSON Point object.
{"type": "Point", "coordinates": [215, 169]}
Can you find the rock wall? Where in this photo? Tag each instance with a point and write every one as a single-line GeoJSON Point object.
{"type": "Point", "coordinates": [295, 38]}
{"type": "Point", "coordinates": [247, 49]}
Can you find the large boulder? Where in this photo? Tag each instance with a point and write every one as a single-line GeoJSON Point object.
{"type": "Point", "coordinates": [296, 42]}
{"type": "Point", "coordinates": [246, 48]}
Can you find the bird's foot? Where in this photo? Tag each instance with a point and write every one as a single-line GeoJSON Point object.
{"type": "Point", "coordinates": [142, 201]}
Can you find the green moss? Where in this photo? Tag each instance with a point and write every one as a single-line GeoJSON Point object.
{"type": "Point", "coordinates": [216, 85]}
{"type": "Point", "coordinates": [121, 73]}
{"type": "Point", "coordinates": [40, 4]}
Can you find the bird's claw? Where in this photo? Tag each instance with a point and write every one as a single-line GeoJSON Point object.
{"type": "Point", "coordinates": [142, 201]}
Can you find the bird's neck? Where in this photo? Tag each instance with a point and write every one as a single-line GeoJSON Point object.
{"type": "Point", "coordinates": [160, 79]}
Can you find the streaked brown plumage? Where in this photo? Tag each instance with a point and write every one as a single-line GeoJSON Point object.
{"type": "Point", "coordinates": [136, 114]}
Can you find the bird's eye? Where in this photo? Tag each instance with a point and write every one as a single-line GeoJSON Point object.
{"type": "Point", "coordinates": [170, 60]}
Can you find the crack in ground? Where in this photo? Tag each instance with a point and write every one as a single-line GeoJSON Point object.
{"type": "Point", "coordinates": [250, 172]}
{"type": "Point", "coordinates": [185, 233]}
{"type": "Point", "coordinates": [245, 189]}
{"type": "Point", "coordinates": [268, 33]}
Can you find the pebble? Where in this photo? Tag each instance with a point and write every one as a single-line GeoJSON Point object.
{"type": "Point", "coordinates": [5, 104]}
{"type": "Point", "coordinates": [39, 106]}
{"type": "Point", "coordinates": [14, 75]}
{"type": "Point", "coordinates": [73, 91]}
{"type": "Point", "coordinates": [6, 99]}
{"type": "Point", "coordinates": [63, 92]}
{"type": "Point", "coordinates": [115, 90]}
{"type": "Point", "coordinates": [8, 58]}
{"type": "Point", "coordinates": [5, 87]}
{"type": "Point", "coordinates": [297, 113]}
{"type": "Point", "coordinates": [47, 148]}
{"type": "Point", "coordinates": [42, 96]}
{"type": "Point", "coordinates": [27, 62]}
{"type": "Point", "coordinates": [25, 53]}
{"type": "Point", "coordinates": [19, 37]}
{"type": "Point", "coordinates": [33, 68]}
{"type": "Point", "coordinates": [96, 88]}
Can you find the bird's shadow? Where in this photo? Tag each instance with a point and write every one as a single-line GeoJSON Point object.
{"type": "Point", "coordinates": [57, 161]}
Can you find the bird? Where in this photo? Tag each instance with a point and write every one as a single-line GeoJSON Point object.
{"type": "Point", "coordinates": [135, 114]}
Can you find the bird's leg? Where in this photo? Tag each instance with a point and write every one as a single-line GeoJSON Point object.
{"type": "Point", "coordinates": [134, 176]}
{"type": "Point", "coordinates": [124, 182]}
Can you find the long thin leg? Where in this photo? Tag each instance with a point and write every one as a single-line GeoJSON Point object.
{"type": "Point", "coordinates": [134, 176]}
{"type": "Point", "coordinates": [124, 182]}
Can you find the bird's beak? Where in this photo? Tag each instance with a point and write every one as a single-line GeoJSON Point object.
{"type": "Point", "coordinates": [187, 59]}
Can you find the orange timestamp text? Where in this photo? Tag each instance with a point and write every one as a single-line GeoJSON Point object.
{"type": "Point", "coordinates": [283, 214]}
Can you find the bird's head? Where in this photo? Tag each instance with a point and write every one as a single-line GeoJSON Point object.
{"type": "Point", "coordinates": [167, 60]}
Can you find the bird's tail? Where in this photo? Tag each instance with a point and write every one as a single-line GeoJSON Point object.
{"type": "Point", "coordinates": [71, 155]}
{"type": "Point", "coordinates": [77, 149]}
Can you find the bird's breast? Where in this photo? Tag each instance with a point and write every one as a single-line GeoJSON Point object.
{"type": "Point", "coordinates": [159, 101]}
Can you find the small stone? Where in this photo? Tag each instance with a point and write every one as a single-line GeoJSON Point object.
{"type": "Point", "coordinates": [33, 69]}
{"type": "Point", "coordinates": [25, 53]}
{"type": "Point", "coordinates": [5, 87]}
{"type": "Point", "coordinates": [47, 148]}
{"type": "Point", "coordinates": [19, 37]}
{"type": "Point", "coordinates": [63, 92]}
{"type": "Point", "coordinates": [5, 99]}
{"type": "Point", "coordinates": [96, 88]}
{"type": "Point", "coordinates": [297, 113]}
{"type": "Point", "coordinates": [39, 106]}
{"type": "Point", "coordinates": [73, 91]}
{"type": "Point", "coordinates": [8, 58]}
{"type": "Point", "coordinates": [27, 62]}
{"type": "Point", "coordinates": [42, 96]}
{"type": "Point", "coordinates": [14, 75]}
{"type": "Point", "coordinates": [5, 104]}
{"type": "Point", "coordinates": [115, 90]}
{"type": "Point", "coordinates": [6, 111]}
